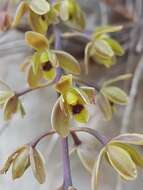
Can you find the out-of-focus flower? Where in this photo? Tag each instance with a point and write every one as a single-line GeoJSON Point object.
{"type": "Point", "coordinates": [5, 17]}
{"type": "Point", "coordinates": [37, 11]}
{"type": "Point", "coordinates": [45, 62]}
{"type": "Point", "coordinates": [122, 156]}
{"type": "Point", "coordinates": [110, 96]}
{"type": "Point", "coordinates": [102, 48]}
{"type": "Point", "coordinates": [22, 159]}
{"type": "Point", "coordinates": [71, 13]}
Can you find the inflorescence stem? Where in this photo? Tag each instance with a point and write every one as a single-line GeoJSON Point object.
{"type": "Point", "coordinates": [67, 179]}
{"type": "Point", "coordinates": [90, 84]}
{"type": "Point", "coordinates": [66, 163]}
{"type": "Point", "coordinates": [101, 138]}
{"type": "Point", "coordinates": [25, 91]}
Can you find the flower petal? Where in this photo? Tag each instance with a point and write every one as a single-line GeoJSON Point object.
{"type": "Point", "coordinates": [50, 75]}
{"type": "Point", "coordinates": [129, 138]}
{"type": "Point", "coordinates": [67, 62]}
{"type": "Point", "coordinates": [20, 163]}
{"type": "Point", "coordinates": [64, 10]}
{"type": "Point", "coordinates": [38, 165]}
{"type": "Point", "coordinates": [135, 155]}
{"type": "Point", "coordinates": [4, 95]}
{"type": "Point", "coordinates": [117, 79]}
{"type": "Point", "coordinates": [87, 56]}
{"type": "Point", "coordinates": [87, 155]}
{"type": "Point", "coordinates": [116, 47]}
{"type": "Point", "coordinates": [36, 40]}
{"type": "Point", "coordinates": [10, 107]}
{"type": "Point", "coordinates": [39, 7]}
{"type": "Point", "coordinates": [104, 106]}
{"type": "Point", "coordinates": [21, 10]}
{"type": "Point", "coordinates": [115, 95]}
{"type": "Point", "coordinates": [33, 80]}
{"type": "Point", "coordinates": [95, 172]}
{"type": "Point", "coordinates": [64, 84]}
{"type": "Point", "coordinates": [122, 162]}
{"type": "Point", "coordinates": [37, 23]}
{"type": "Point", "coordinates": [82, 117]}
{"type": "Point", "coordinates": [106, 29]}
{"type": "Point", "coordinates": [60, 122]}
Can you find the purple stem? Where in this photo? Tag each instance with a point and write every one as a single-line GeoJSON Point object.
{"type": "Point", "coordinates": [64, 141]}
{"type": "Point", "coordinates": [66, 164]}
{"type": "Point", "coordinates": [53, 2]}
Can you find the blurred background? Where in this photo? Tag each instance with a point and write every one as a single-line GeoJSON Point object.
{"type": "Point", "coordinates": [38, 104]}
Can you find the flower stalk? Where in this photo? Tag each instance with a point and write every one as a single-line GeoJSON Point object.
{"type": "Point", "coordinates": [67, 179]}
{"type": "Point", "coordinates": [66, 164]}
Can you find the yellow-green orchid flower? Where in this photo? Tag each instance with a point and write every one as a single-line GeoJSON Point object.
{"type": "Point", "coordinates": [122, 156]}
{"type": "Point", "coordinates": [73, 100]}
{"type": "Point", "coordinates": [102, 48]}
{"type": "Point", "coordinates": [45, 62]}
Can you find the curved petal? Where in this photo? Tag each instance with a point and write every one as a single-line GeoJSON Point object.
{"type": "Point", "coordinates": [135, 155]}
{"type": "Point", "coordinates": [39, 7]}
{"type": "Point", "coordinates": [21, 10]}
{"type": "Point", "coordinates": [115, 95]}
{"type": "Point", "coordinates": [60, 121]}
{"type": "Point", "coordinates": [122, 162]}
{"type": "Point", "coordinates": [129, 138]}
{"type": "Point", "coordinates": [67, 62]}
{"type": "Point", "coordinates": [36, 40]}
{"type": "Point", "coordinates": [95, 172]}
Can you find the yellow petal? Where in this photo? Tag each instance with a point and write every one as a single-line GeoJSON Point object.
{"type": "Point", "coordinates": [68, 62]}
{"type": "Point", "coordinates": [21, 10]}
{"type": "Point", "coordinates": [115, 95]}
{"type": "Point", "coordinates": [37, 23]}
{"type": "Point", "coordinates": [103, 48]}
{"type": "Point", "coordinates": [95, 172]}
{"type": "Point", "coordinates": [117, 79]}
{"type": "Point", "coordinates": [82, 117]}
{"type": "Point", "coordinates": [129, 138]}
{"type": "Point", "coordinates": [20, 163]}
{"type": "Point", "coordinates": [10, 107]}
{"type": "Point", "coordinates": [50, 75]}
{"type": "Point", "coordinates": [34, 80]}
{"type": "Point", "coordinates": [122, 162]}
{"type": "Point", "coordinates": [87, 56]}
{"type": "Point", "coordinates": [104, 106]}
{"type": "Point", "coordinates": [60, 122]}
{"type": "Point", "coordinates": [90, 92]}
{"type": "Point", "coordinates": [116, 47]}
{"type": "Point", "coordinates": [39, 7]}
{"type": "Point", "coordinates": [64, 10]}
{"type": "Point", "coordinates": [36, 40]}
{"type": "Point", "coordinates": [4, 95]}
{"type": "Point", "coordinates": [35, 62]}
{"type": "Point", "coordinates": [38, 165]}
{"type": "Point", "coordinates": [64, 84]}
{"type": "Point", "coordinates": [87, 155]}
{"type": "Point", "coordinates": [71, 98]}
{"type": "Point", "coordinates": [135, 155]}
{"type": "Point", "coordinates": [106, 29]}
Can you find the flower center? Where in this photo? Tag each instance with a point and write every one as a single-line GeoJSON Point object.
{"type": "Point", "coordinates": [47, 66]}
{"type": "Point", "coordinates": [77, 109]}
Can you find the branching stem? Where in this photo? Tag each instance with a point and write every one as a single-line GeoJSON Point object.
{"type": "Point", "coordinates": [25, 91]}
{"type": "Point", "coordinates": [90, 84]}
{"type": "Point", "coordinates": [101, 138]}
